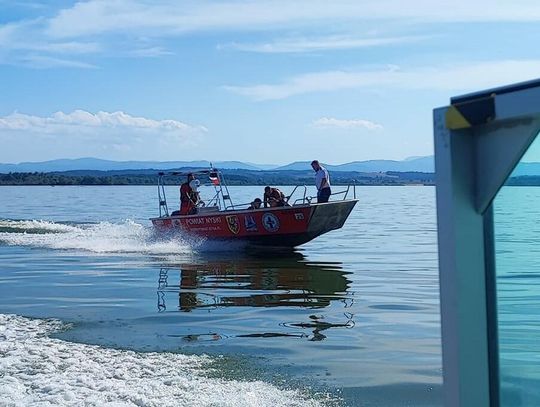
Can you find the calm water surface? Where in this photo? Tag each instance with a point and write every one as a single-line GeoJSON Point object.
{"type": "Point", "coordinates": [353, 313]}
{"type": "Point", "coordinates": [517, 234]}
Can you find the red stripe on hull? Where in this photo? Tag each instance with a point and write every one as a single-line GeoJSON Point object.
{"type": "Point", "coordinates": [240, 224]}
{"type": "Point", "coordinates": [286, 226]}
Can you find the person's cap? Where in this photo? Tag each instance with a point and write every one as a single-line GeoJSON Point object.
{"type": "Point", "coordinates": [257, 200]}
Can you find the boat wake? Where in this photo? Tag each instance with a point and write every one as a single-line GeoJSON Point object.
{"type": "Point", "coordinates": [38, 369]}
{"type": "Point", "coordinates": [103, 237]}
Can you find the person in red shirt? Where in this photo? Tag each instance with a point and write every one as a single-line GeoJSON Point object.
{"type": "Point", "coordinates": [188, 196]}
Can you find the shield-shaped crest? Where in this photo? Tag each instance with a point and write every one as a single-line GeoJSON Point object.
{"type": "Point", "coordinates": [233, 223]}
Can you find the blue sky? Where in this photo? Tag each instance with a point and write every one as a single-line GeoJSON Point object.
{"type": "Point", "coordinates": [260, 81]}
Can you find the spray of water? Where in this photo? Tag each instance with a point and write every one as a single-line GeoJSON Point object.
{"type": "Point", "coordinates": [103, 237]}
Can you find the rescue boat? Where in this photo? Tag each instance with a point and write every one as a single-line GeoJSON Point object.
{"type": "Point", "coordinates": [299, 221]}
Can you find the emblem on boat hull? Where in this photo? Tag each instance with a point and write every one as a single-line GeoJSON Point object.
{"type": "Point", "coordinates": [270, 222]}
{"type": "Point", "coordinates": [233, 223]}
{"type": "Point", "coordinates": [251, 225]}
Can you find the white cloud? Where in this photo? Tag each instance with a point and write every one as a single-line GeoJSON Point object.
{"type": "Point", "coordinates": [446, 78]}
{"type": "Point", "coordinates": [81, 133]}
{"type": "Point", "coordinates": [80, 119]}
{"type": "Point", "coordinates": [112, 26]}
{"type": "Point", "coordinates": [28, 35]}
{"type": "Point", "coordinates": [44, 61]}
{"type": "Point", "coordinates": [149, 52]}
{"type": "Point", "coordinates": [170, 17]}
{"type": "Point", "coordinates": [325, 122]}
{"type": "Point", "coordinates": [297, 45]}
{"type": "Point", "coordinates": [23, 43]}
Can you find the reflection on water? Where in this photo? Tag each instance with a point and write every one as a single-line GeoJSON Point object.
{"type": "Point", "coordinates": [254, 282]}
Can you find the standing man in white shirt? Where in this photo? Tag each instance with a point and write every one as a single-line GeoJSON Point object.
{"type": "Point", "coordinates": [322, 182]}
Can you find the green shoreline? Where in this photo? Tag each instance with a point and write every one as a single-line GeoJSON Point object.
{"type": "Point", "coordinates": [234, 177]}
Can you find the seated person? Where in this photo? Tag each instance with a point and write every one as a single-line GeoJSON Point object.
{"type": "Point", "coordinates": [273, 197]}
{"type": "Point", "coordinates": [256, 204]}
{"type": "Point", "coordinates": [189, 197]}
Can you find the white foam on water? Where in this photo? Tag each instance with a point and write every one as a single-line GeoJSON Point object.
{"type": "Point", "coordinates": [35, 226]}
{"type": "Point", "coordinates": [103, 237]}
{"type": "Point", "coordinates": [40, 370]}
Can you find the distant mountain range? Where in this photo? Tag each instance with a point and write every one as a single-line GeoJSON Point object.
{"type": "Point", "coordinates": [416, 164]}
{"type": "Point", "coordinates": [419, 164]}
{"type": "Point", "coordinates": [413, 164]}
{"type": "Point", "coordinates": [97, 164]}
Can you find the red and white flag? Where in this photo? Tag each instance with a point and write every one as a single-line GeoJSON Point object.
{"type": "Point", "coordinates": [214, 179]}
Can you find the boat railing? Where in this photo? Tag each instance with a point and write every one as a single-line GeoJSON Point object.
{"type": "Point", "coordinates": [214, 201]}
{"type": "Point", "coordinates": [162, 199]}
{"type": "Point", "coordinates": [298, 201]}
{"type": "Point", "coordinates": [304, 199]}
{"type": "Point", "coordinates": [345, 193]}
{"type": "Point", "coordinates": [216, 179]}
{"type": "Point", "coordinates": [236, 207]}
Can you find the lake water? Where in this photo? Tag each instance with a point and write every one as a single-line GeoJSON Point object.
{"type": "Point", "coordinates": [351, 318]}
{"type": "Point", "coordinates": [517, 252]}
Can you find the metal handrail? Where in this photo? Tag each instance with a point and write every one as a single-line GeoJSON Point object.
{"type": "Point", "coordinates": [298, 199]}
{"type": "Point", "coordinates": [162, 199]}
{"type": "Point", "coordinates": [344, 193]}
{"type": "Point", "coordinates": [220, 187]}
{"type": "Point", "coordinates": [215, 199]}
{"type": "Point", "coordinates": [302, 201]}
{"type": "Point", "coordinates": [233, 207]}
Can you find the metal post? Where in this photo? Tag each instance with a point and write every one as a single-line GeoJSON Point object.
{"type": "Point", "coordinates": [461, 255]}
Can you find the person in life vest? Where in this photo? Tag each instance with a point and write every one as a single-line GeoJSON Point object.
{"type": "Point", "coordinates": [273, 197]}
{"type": "Point", "coordinates": [189, 197]}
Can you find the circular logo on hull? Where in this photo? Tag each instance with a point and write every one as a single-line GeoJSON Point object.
{"type": "Point", "coordinates": [270, 222]}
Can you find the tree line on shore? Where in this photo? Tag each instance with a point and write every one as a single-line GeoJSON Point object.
{"type": "Point", "coordinates": [233, 177]}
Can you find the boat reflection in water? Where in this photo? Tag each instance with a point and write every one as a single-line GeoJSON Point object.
{"type": "Point", "coordinates": [218, 284]}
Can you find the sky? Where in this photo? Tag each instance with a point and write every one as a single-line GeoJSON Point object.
{"type": "Point", "coordinates": [256, 81]}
